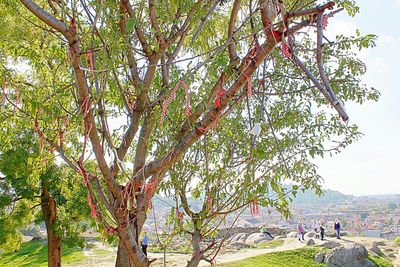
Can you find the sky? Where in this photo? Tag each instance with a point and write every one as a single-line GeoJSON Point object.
{"type": "Point", "coordinates": [372, 164]}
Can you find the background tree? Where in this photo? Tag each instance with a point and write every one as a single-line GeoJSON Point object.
{"type": "Point", "coordinates": [30, 182]}
{"type": "Point", "coordinates": [118, 72]}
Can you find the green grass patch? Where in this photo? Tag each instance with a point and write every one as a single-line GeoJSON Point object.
{"type": "Point", "coordinates": [303, 257]}
{"type": "Point", "coordinates": [34, 254]}
{"type": "Point", "coordinates": [271, 244]}
{"type": "Point", "coordinates": [381, 261]}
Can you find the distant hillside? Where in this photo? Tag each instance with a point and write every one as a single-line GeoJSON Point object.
{"type": "Point", "coordinates": [329, 196]}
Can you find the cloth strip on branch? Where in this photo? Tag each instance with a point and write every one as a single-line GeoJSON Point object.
{"type": "Point", "coordinates": [172, 97]}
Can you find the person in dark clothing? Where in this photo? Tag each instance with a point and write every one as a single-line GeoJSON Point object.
{"type": "Point", "coordinates": [322, 230]}
{"type": "Point", "coordinates": [265, 231]}
{"type": "Point", "coordinates": [145, 243]}
{"type": "Point", "coordinates": [337, 228]}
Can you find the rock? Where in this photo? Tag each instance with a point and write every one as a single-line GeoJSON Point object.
{"type": "Point", "coordinates": [371, 253]}
{"type": "Point", "coordinates": [239, 237]}
{"type": "Point", "coordinates": [376, 250]}
{"type": "Point", "coordinates": [310, 235]}
{"type": "Point", "coordinates": [320, 257]}
{"type": "Point", "coordinates": [256, 238]}
{"type": "Point", "coordinates": [279, 237]}
{"type": "Point", "coordinates": [349, 255]}
{"type": "Point", "coordinates": [310, 242]}
{"type": "Point", "coordinates": [239, 245]}
{"type": "Point", "coordinates": [379, 243]}
{"type": "Point", "coordinates": [292, 235]}
{"type": "Point", "coordinates": [391, 255]}
{"type": "Point", "coordinates": [330, 244]}
{"type": "Point", "coordinates": [388, 250]}
{"type": "Point", "coordinates": [37, 238]}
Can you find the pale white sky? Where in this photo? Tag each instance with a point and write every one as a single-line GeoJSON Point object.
{"type": "Point", "coordinates": [372, 165]}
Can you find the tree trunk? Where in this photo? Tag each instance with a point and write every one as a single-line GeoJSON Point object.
{"type": "Point", "coordinates": [197, 253]}
{"type": "Point", "coordinates": [129, 245]}
{"type": "Point", "coordinates": [49, 210]}
{"type": "Point", "coordinates": [122, 257]}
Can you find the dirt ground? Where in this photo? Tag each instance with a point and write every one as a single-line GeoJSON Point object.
{"type": "Point", "coordinates": [104, 255]}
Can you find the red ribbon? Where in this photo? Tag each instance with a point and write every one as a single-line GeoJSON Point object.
{"type": "Point", "coordinates": [286, 50]}
{"type": "Point", "coordinates": [172, 96]}
{"type": "Point", "coordinates": [254, 209]}
{"type": "Point", "coordinates": [89, 59]}
{"type": "Point", "coordinates": [324, 21]}
{"type": "Point", "coordinates": [93, 211]}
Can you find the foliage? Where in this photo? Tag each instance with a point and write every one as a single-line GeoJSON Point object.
{"type": "Point", "coordinates": [381, 261]}
{"type": "Point", "coordinates": [25, 174]}
{"type": "Point", "coordinates": [292, 258]}
{"type": "Point", "coordinates": [397, 241]}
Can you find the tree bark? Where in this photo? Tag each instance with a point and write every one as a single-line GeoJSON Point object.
{"type": "Point", "coordinates": [49, 210]}
{"type": "Point", "coordinates": [197, 253]}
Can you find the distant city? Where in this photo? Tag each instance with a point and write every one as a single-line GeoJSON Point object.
{"type": "Point", "coordinates": [370, 216]}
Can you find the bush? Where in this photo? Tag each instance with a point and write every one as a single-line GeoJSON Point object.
{"type": "Point", "coordinates": [397, 241]}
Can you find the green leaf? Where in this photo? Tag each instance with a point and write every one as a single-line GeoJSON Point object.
{"type": "Point", "coordinates": [130, 24]}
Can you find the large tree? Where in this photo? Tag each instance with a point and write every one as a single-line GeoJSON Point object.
{"type": "Point", "coordinates": [143, 81]}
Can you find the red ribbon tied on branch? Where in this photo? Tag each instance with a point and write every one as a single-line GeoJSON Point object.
{"type": "Point", "coordinates": [324, 21]}
{"type": "Point", "coordinates": [3, 91]}
{"type": "Point", "coordinates": [93, 211]}
{"type": "Point", "coordinates": [172, 97]}
{"type": "Point", "coordinates": [254, 209]}
{"type": "Point", "coordinates": [90, 61]}
{"type": "Point", "coordinates": [179, 215]}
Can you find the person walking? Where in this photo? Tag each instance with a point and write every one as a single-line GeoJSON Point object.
{"type": "Point", "coordinates": [145, 243]}
{"type": "Point", "coordinates": [301, 231]}
{"type": "Point", "coordinates": [322, 230]}
{"type": "Point", "coordinates": [337, 228]}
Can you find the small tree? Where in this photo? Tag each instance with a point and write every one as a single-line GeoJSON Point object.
{"type": "Point", "coordinates": [29, 182]}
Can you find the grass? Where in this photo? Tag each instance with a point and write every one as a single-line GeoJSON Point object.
{"type": "Point", "coordinates": [303, 257]}
{"type": "Point", "coordinates": [34, 254]}
{"type": "Point", "coordinates": [271, 244]}
{"type": "Point", "coordinates": [381, 261]}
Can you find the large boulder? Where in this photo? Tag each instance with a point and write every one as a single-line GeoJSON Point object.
{"type": "Point", "coordinates": [279, 237]}
{"type": "Point", "coordinates": [256, 238]}
{"type": "Point", "coordinates": [320, 257]}
{"type": "Point", "coordinates": [330, 244]}
{"type": "Point", "coordinates": [240, 237]}
{"type": "Point", "coordinates": [376, 250]}
{"type": "Point", "coordinates": [349, 255]}
{"type": "Point", "coordinates": [311, 234]}
{"type": "Point", "coordinates": [239, 245]}
{"type": "Point", "coordinates": [379, 243]}
{"type": "Point", "coordinates": [292, 235]}
{"type": "Point", "coordinates": [310, 242]}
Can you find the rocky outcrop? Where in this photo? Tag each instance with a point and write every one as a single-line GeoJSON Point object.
{"type": "Point", "coordinates": [310, 242]}
{"type": "Point", "coordinates": [257, 238]}
{"type": "Point", "coordinates": [292, 235]}
{"type": "Point", "coordinates": [249, 230]}
{"type": "Point", "coordinates": [330, 244]}
{"type": "Point", "coordinates": [349, 255]}
{"type": "Point", "coordinates": [376, 250]}
{"type": "Point", "coordinates": [240, 237]}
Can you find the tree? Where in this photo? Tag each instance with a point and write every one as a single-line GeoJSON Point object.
{"type": "Point", "coordinates": [29, 182]}
{"type": "Point", "coordinates": [98, 64]}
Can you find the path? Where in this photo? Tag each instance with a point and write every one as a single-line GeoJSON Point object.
{"type": "Point", "coordinates": [107, 256]}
